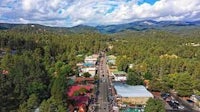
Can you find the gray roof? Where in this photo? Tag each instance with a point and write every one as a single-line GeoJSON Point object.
{"type": "Point", "coordinates": [119, 72]}
{"type": "Point", "coordinates": [125, 90]}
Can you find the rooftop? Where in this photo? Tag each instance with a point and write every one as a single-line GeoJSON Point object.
{"type": "Point", "coordinates": [125, 90]}
{"type": "Point", "coordinates": [88, 64]}
{"type": "Point", "coordinates": [119, 72]}
{"type": "Point", "coordinates": [81, 79]}
{"type": "Point", "coordinates": [111, 57]}
{"type": "Point", "coordinates": [90, 58]}
{"type": "Point", "coordinates": [74, 88]}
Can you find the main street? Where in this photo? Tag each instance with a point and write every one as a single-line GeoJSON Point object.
{"type": "Point", "coordinates": [103, 86]}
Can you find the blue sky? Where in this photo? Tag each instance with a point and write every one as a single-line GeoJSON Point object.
{"type": "Point", "coordinates": [67, 13]}
{"type": "Point", "coordinates": [148, 1]}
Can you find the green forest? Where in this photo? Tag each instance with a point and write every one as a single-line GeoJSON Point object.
{"type": "Point", "coordinates": [169, 61]}
{"type": "Point", "coordinates": [35, 64]}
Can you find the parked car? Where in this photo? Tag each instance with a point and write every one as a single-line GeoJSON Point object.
{"type": "Point", "coordinates": [172, 104]}
{"type": "Point", "coordinates": [175, 102]}
{"type": "Point", "coordinates": [165, 95]}
{"type": "Point", "coordinates": [190, 101]}
{"type": "Point", "coordinates": [181, 107]}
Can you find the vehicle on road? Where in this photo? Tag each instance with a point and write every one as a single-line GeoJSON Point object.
{"type": "Point", "coordinates": [181, 107]}
{"type": "Point", "coordinates": [190, 101]}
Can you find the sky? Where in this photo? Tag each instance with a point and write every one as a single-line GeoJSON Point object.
{"type": "Point", "coordinates": [68, 13]}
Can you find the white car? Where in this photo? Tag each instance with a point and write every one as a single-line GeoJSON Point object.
{"type": "Point", "coordinates": [181, 107]}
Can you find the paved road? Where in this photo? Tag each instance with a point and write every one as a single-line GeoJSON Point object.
{"type": "Point", "coordinates": [103, 86]}
{"type": "Point", "coordinates": [187, 108]}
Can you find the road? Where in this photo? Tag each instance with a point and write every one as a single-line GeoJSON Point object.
{"type": "Point", "coordinates": [103, 86]}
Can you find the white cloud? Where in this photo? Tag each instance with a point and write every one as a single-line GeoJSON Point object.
{"type": "Point", "coordinates": [95, 12]}
{"type": "Point", "coordinates": [54, 3]}
{"type": "Point", "coordinates": [22, 20]}
{"type": "Point", "coordinates": [28, 4]}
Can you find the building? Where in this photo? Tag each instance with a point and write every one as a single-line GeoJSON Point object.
{"type": "Point", "coordinates": [132, 95]}
{"type": "Point", "coordinates": [79, 96]}
{"type": "Point", "coordinates": [79, 64]}
{"type": "Point", "coordinates": [119, 76]}
{"type": "Point", "coordinates": [111, 59]}
{"type": "Point", "coordinates": [76, 88]}
{"type": "Point", "coordinates": [91, 59]}
{"type": "Point", "coordinates": [90, 70]}
{"type": "Point", "coordinates": [88, 65]}
{"type": "Point", "coordinates": [83, 80]}
{"type": "Point", "coordinates": [112, 69]}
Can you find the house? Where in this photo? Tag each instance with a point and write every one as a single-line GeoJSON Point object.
{"type": "Point", "coordinates": [111, 69]}
{"type": "Point", "coordinates": [80, 64]}
{"type": "Point", "coordinates": [90, 70]}
{"type": "Point", "coordinates": [133, 95]}
{"type": "Point", "coordinates": [88, 65]}
{"type": "Point", "coordinates": [95, 55]}
{"type": "Point", "coordinates": [119, 75]}
{"type": "Point", "coordinates": [82, 80]}
{"type": "Point", "coordinates": [111, 59]}
{"type": "Point", "coordinates": [79, 96]}
{"type": "Point", "coordinates": [91, 59]}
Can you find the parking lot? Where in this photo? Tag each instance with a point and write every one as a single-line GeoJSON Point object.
{"type": "Point", "coordinates": [172, 102]}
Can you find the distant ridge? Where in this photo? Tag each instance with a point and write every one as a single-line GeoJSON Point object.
{"type": "Point", "coordinates": [172, 26]}
{"type": "Point", "coordinates": [38, 27]}
{"type": "Point", "coordinates": [148, 25]}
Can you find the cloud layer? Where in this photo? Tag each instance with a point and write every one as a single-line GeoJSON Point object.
{"type": "Point", "coordinates": [96, 12]}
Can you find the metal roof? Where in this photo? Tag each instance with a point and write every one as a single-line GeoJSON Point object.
{"type": "Point", "coordinates": [119, 72]}
{"type": "Point", "coordinates": [125, 90]}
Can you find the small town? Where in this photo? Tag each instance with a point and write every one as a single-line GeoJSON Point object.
{"type": "Point", "coordinates": [99, 55]}
{"type": "Point", "coordinates": [100, 87]}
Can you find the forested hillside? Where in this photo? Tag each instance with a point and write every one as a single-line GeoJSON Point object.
{"type": "Point", "coordinates": [168, 60]}
{"type": "Point", "coordinates": [35, 66]}
{"type": "Point", "coordinates": [36, 63]}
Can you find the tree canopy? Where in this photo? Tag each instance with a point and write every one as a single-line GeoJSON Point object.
{"type": "Point", "coordinates": [154, 105]}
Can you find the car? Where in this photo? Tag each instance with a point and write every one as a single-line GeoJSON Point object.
{"type": "Point", "coordinates": [175, 102]}
{"type": "Point", "coordinates": [190, 101]}
{"type": "Point", "coordinates": [165, 95]}
{"type": "Point", "coordinates": [181, 107]}
{"type": "Point", "coordinates": [173, 105]}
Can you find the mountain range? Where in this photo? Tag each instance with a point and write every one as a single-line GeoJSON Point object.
{"type": "Point", "coordinates": [149, 25]}
{"type": "Point", "coordinates": [172, 26]}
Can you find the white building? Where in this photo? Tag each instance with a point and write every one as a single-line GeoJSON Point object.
{"type": "Point", "coordinates": [119, 75]}
{"type": "Point", "coordinates": [91, 59]}
{"type": "Point", "coordinates": [90, 70]}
